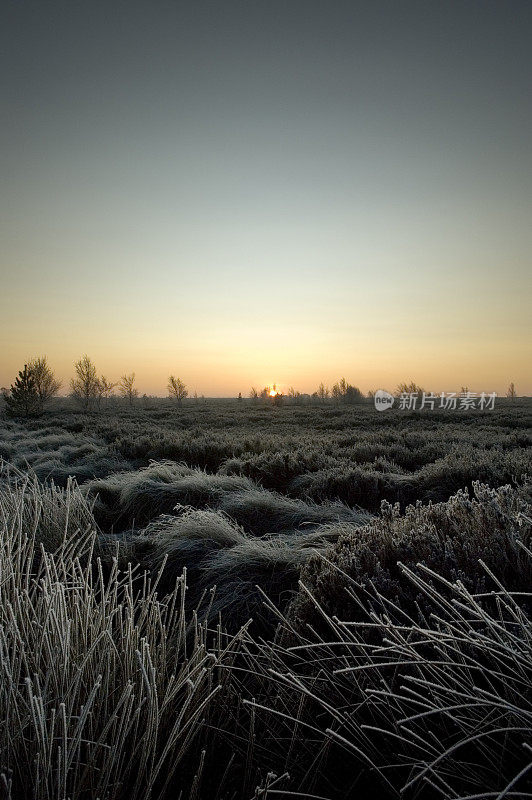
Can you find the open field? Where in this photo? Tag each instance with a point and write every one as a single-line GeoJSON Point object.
{"type": "Point", "coordinates": [266, 400]}
{"type": "Point", "coordinates": [242, 600]}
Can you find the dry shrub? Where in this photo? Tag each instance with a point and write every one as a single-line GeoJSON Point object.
{"type": "Point", "coordinates": [450, 538]}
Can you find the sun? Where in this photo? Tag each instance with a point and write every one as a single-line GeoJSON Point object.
{"type": "Point", "coordinates": [273, 391]}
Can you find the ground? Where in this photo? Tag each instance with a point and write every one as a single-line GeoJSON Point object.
{"type": "Point", "coordinates": [370, 616]}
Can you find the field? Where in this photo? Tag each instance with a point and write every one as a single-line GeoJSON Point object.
{"type": "Point", "coordinates": [234, 599]}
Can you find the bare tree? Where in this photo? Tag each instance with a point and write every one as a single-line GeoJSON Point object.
{"type": "Point", "coordinates": [512, 391]}
{"type": "Point", "coordinates": [45, 381]}
{"type": "Point", "coordinates": [409, 388]}
{"type": "Point", "coordinates": [294, 395]}
{"type": "Point", "coordinates": [254, 395]}
{"type": "Point", "coordinates": [277, 399]}
{"type": "Point", "coordinates": [84, 386]}
{"type": "Point", "coordinates": [177, 389]}
{"type": "Point", "coordinates": [105, 388]}
{"type": "Point", "coordinates": [127, 389]}
{"type": "Point", "coordinates": [344, 392]}
{"type": "Point", "coordinates": [323, 392]}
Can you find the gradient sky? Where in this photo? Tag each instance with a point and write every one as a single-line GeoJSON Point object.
{"type": "Point", "coordinates": [247, 192]}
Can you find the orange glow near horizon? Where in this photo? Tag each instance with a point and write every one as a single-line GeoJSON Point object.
{"type": "Point", "coordinates": [377, 365]}
{"type": "Point", "coordinates": [376, 318]}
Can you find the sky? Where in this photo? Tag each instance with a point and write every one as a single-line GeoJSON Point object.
{"type": "Point", "coordinates": [242, 193]}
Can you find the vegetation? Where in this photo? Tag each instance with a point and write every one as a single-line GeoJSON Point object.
{"type": "Point", "coordinates": [96, 700]}
{"type": "Point", "coordinates": [85, 386]}
{"type": "Point", "coordinates": [344, 392]}
{"type": "Point", "coordinates": [46, 384]}
{"type": "Point", "coordinates": [105, 389]}
{"type": "Point", "coordinates": [413, 388]}
{"type": "Point", "coordinates": [239, 600]}
{"type": "Point", "coordinates": [33, 388]}
{"type": "Point", "coordinates": [23, 398]}
{"type": "Point", "coordinates": [177, 389]}
{"type": "Point", "coordinates": [434, 702]}
{"type": "Point", "coordinates": [127, 388]}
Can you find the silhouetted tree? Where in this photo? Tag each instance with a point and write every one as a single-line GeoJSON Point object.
{"type": "Point", "coordinates": [127, 389]}
{"type": "Point", "coordinates": [254, 395]}
{"type": "Point", "coordinates": [177, 389]}
{"type": "Point", "coordinates": [105, 388]}
{"type": "Point", "coordinates": [409, 388]}
{"type": "Point", "coordinates": [23, 399]}
{"type": "Point", "coordinates": [512, 391]}
{"type": "Point", "coordinates": [46, 384]}
{"type": "Point", "coordinates": [294, 395]}
{"type": "Point", "coordinates": [352, 394]}
{"type": "Point", "coordinates": [277, 398]}
{"type": "Point", "coordinates": [346, 393]}
{"type": "Point", "coordinates": [84, 386]}
{"type": "Point", "coordinates": [323, 392]}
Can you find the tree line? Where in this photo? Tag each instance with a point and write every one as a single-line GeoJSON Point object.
{"type": "Point", "coordinates": [342, 391]}
{"type": "Point", "coordinates": [36, 384]}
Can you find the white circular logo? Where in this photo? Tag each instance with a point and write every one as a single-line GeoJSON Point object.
{"type": "Point", "coordinates": [383, 400]}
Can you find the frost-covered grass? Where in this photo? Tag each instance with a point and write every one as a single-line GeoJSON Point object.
{"type": "Point", "coordinates": [397, 705]}
{"type": "Point", "coordinates": [102, 690]}
{"type": "Point", "coordinates": [384, 562]}
{"type": "Point", "coordinates": [349, 453]}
